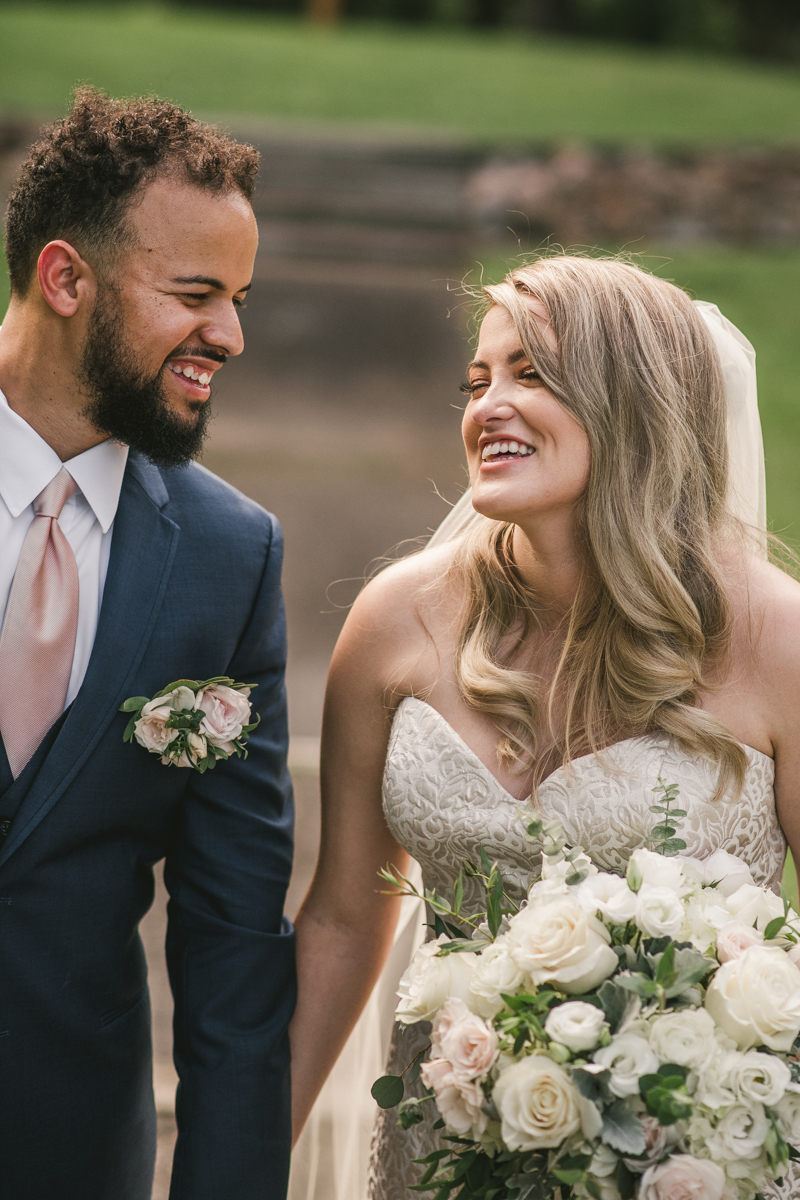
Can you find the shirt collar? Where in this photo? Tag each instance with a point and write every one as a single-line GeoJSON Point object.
{"type": "Point", "coordinates": [27, 464]}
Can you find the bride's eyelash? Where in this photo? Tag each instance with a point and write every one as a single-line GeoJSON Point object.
{"type": "Point", "coordinates": [466, 387]}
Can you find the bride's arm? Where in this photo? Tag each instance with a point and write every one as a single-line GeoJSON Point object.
{"type": "Point", "coordinates": [781, 677]}
{"type": "Point", "coordinates": [345, 925]}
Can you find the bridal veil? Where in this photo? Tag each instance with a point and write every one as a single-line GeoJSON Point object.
{"type": "Point", "coordinates": [331, 1157]}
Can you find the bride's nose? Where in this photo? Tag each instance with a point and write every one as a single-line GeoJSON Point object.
{"type": "Point", "coordinates": [491, 408]}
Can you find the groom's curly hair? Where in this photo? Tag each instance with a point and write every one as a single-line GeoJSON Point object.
{"type": "Point", "coordinates": [83, 173]}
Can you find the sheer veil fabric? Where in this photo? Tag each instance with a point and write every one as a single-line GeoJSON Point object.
{"type": "Point", "coordinates": [331, 1159]}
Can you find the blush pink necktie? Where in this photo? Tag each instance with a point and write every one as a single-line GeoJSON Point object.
{"type": "Point", "coordinates": [37, 643]}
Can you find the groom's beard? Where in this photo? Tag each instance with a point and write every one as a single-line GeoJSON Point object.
{"type": "Point", "coordinates": [128, 405]}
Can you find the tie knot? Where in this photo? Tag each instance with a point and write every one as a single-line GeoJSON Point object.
{"type": "Point", "coordinates": [52, 499]}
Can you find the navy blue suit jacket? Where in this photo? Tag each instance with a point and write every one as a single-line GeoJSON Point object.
{"type": "Point", "coordinates": [193, 591]}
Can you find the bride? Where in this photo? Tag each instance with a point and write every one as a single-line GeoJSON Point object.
{"type": "Point", "coordinates": [602, 615]}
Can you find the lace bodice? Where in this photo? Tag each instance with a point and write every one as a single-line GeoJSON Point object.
{"type": "Point", "coordinates": [442, 804]}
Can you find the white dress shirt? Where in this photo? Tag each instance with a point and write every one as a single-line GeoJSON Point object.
{"type": "Point", "coordinates": [27, 465]}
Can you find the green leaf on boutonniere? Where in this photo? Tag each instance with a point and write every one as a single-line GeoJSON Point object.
{"type": "Point", "coordinates": [135, 703]}
{"type": "Point", "coordinates": [191, 684]}
{"type": "Point", "coordinates": [129, 728]}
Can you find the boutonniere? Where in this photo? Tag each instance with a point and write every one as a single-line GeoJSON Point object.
{"type": "Point", "coordinates": [192, 724]}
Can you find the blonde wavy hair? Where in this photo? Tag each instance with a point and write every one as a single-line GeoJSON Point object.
{"type": "Point", "coordinates": [636, 367]}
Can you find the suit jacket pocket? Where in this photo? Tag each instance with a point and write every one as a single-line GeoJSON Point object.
{"type": "Point", "coordinates": [116, 1014]}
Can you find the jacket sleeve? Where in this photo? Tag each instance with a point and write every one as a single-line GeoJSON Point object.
{"type": "Point", "coordinates": [230, 950]}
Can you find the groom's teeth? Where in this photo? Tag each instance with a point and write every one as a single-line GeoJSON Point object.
{"type": "Point", "coordinates": [191, 373]}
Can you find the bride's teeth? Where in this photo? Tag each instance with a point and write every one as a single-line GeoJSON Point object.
{"type": "Point", "coordinates": [513, 447]}
{"type": "Point", "coordinates": [504, 447]}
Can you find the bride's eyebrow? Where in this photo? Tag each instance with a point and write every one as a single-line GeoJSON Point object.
{"type": "Point", "coordinates": [512, 358]}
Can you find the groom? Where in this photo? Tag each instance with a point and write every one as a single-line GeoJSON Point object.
{"type": "Point", "coordinates": [130, 242]}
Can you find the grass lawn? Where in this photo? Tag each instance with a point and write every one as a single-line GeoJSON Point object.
{"type": "Point", "coordinates": [497, 86]}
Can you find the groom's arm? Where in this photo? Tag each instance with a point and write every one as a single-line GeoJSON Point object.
{"type": "Point", "coordinates": [230, 951]}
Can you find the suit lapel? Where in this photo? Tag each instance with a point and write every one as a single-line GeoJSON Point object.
{"type": "Point", "coordinates": [142, 552]}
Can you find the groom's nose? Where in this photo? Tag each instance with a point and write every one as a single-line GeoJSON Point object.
{"type": "Point", "coordinates": [223, 331]}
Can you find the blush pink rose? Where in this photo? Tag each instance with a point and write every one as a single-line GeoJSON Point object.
{"type": "Point", "coordinates": [226, 712]}
{"type": "Point", "coordinates": [466, 1041]}
{"type": "Point", "coordinates": [734, 938]}
{"type": "Point", "coordinates": [683, 1177]}
{"type": "Point", "coordinates": [658, 1139]}
{"type": "Point", "coordinates": [151, 730]}
{"type": "Point", "coordinates": [460, 1104]}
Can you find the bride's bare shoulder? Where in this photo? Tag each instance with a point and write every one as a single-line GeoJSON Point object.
{"type": "Point", "coordinates": [769, 606]}
{"type": "Point", "coordinates": [409, 592]}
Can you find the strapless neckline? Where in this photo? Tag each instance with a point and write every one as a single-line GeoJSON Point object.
{"type": "Point", "coordinates": [478, 763]}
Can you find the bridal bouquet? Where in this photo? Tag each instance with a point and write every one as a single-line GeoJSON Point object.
{"type": "Point", "coordinates": [611, 1037]}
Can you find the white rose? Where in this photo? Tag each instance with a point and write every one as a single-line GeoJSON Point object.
{"type": "Point", "coordinates": [430, 981]}
{"type": "Point", "coordinates": [734, 938]}
{"type": "Point", "coordinates": [603, 1169]}
{"type": "Point", "coordinates": [461, 1104]}
{"type": "Point", "coordinates": [555, 940]}
{"type": "Point", "coordinates": [659, 911]}
{"type": "Point", "coordinates": [683, 1177]}
{"type": "Point", "coordinates": [180, 699]}
{"type": "Point", "coordinates": [609, 895]}
{"type": "Point", "coordinates": [685, 1037]}
{"type": "Point", "coordinates": [545, 889]}
{"type": "Point", "coordinates": [151, 731]}
{"type": "Point", "coordinates": [576, 1025]}
{"type": "Point", "coordinates": [714, 1087]}
{"type": "Point", "coordinates": [659, 871]}
{"type": "Point", "coordinates": [538, 1105]}
{"type": "Point", "coordinates": [628, 1058]}
{"type": "Point", "coordinates": [754, 906]}
{"type": "Point", "coordinates": [755, 999]}
{"type": "Point", "coordinates": [740, 1133]}
{"type": "Point", "coordinates": [495, 973]}
{"type": "Point", "coordinates": [467, 1042]}
{"type": "Point", "coordinates": [759, 1077]}
{"type": "Point", "coordinates": [197, 745]}
{"type": "Point", "coordinates": [787, 1112]}
{"type": "Point", "coordinates": [721, 871]}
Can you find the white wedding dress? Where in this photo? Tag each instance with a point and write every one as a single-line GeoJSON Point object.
{"type": "Point", "coordinates": [442, 804]}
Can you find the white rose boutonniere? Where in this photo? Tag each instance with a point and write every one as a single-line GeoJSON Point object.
{"type": "Point", "coordinates": [191, 723]}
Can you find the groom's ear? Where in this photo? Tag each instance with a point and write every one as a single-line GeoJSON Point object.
{"type": "Point", "coordinates": [66, 280]}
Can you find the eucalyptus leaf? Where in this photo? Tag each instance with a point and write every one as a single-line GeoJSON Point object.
{"type": "Point", "coordinates": [134, 704]}
{"type": "Point", "coordinates": [388, 1091]}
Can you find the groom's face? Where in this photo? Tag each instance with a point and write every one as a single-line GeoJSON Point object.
{"type": "Point", "coordinates": [166, 318]}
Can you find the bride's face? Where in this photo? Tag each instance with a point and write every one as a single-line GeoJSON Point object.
{"type": "Point", "coordinates": [528, 457]}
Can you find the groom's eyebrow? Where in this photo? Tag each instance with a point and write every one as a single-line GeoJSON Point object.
{"type": "Point", "coordinates": [210, 281]}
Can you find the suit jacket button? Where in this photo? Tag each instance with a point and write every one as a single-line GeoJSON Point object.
{"type": "Point", "coordinates": [5, 825]}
